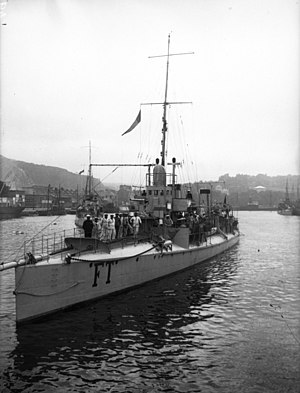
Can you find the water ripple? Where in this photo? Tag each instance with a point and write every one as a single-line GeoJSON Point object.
{"type": "Point", "coordinates": [228, 325]}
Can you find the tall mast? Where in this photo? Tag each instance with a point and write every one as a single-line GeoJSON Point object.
{"type": "Point", "coordinates": [164, 119]}
{"type": "Point", "coordinates": [166, 103]}
{"type": "Point", "coordinates": [287, 198]}
{"type": "Point", "coordinates": [90, 170]}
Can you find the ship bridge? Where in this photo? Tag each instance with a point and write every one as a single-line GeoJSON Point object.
{"type": "Point", "coordinates": [163, 193]}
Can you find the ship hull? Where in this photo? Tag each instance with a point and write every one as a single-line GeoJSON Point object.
{"type": "Point", "coordinates": [10, 211]}
{"type": "Point", "coordinates": [54, 285]}
{"type": "Point", "coordinates": [286, 212]}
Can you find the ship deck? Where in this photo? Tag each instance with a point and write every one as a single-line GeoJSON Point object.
{"type": "Point", "coordinates": [128, 251]}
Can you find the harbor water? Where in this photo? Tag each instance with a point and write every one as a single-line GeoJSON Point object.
{"type": "Point", "coordinates": [231, 324]}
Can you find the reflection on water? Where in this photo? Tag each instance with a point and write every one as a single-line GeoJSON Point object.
{"type": "Point", "coordinates": [230, 324]}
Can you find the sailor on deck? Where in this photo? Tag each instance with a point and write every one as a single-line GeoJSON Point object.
{"type": "Point", "coordinates": [88, 226]}
{"type": "Point", "coordinates": [96, 228]}
{"type": "Point", "coordinates": [135, 222]}
{"type": "Point", "coordinates": [111, 227]}
{"type": "Point", "coordinates": [104, 232]}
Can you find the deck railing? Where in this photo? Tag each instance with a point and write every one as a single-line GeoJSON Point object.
{"type": "Point", "coordinates": [50, 243]}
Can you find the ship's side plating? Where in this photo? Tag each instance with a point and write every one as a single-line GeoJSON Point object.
{"type": "Point", "coordinates": [52, 285]}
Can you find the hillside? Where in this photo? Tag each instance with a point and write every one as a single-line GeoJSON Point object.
{"type": "Point", "coordinates": [242, 182]}
{"type": "Point", "coordinates": [18, 174]}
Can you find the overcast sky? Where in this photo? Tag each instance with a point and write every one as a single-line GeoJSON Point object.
{"type": "Point", "coordinates": [75, 71]}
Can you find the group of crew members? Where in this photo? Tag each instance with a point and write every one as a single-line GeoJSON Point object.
{"type": "Point", "coordinates": [109, 227]}
{"type": "Point", "coordinates": [220, 216]}
{"type": "Point", "coordinates": [200, 223]}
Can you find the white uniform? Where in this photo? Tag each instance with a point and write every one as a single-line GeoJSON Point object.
{"type": "Point", "coordinates": [136, 222]}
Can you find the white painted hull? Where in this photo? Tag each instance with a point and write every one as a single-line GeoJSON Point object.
{"type": "Point", "coordinates": [52, 285]}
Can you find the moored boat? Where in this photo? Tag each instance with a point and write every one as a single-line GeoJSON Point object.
{"type": "Point", "coordinates": [12, 202]}
{"type": "Point", "coordinates": [90, 203]}
{"type": "Point", "coordinates": [10, 211]}
{"type": "Point", "coordinates": [169, 233]}
{"type": "Point", "coordinates": [296, 204]}
{"type": "Point", "coordinates": [285, 208]}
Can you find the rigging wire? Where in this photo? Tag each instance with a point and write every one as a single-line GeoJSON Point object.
{"type": "Point", "coordinates": [14, 254]}
{"type": "Point", "coordinates": [105, 177]}
{"type": "Point", "coordinates": [178, 134]}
